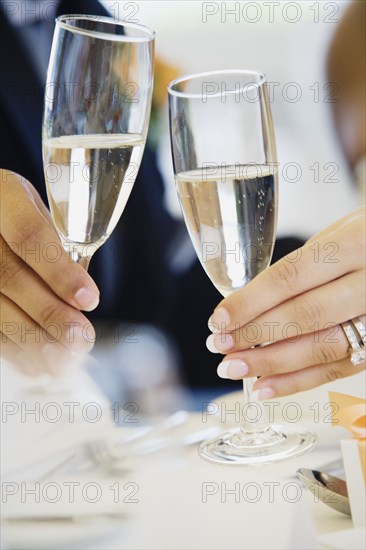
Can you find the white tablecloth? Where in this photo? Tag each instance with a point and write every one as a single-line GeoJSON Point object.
{"type": "Point", "coordinates": [176, 500]}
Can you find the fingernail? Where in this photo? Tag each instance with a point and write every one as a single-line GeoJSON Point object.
{"type": "Point", "coordinates": [260, 395]}
{"type": "Point", "coordinates": [213, 327]}
{"type": "Point", "coordinates": [220, 319]}
{"type": "Point", "coordinates": [87, 299]}
{"type": "Point", "coordinates": [81, 339]}
{"type": "Point", "coordinates": [219, 343]}
{"type": "Point", "coordinates": [232, 369]}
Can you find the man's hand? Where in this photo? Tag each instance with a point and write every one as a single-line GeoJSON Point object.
{"type": "Point", "coordinates": [41, 289]}
{"type": "Point", "coordinates": [296, 306]}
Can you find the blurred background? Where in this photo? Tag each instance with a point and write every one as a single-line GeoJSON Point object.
{"type": "Point", "coordinates": [288, 41]}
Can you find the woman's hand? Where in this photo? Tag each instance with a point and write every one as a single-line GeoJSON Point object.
{"type": "Point", "coordinates": [41, 290]}
{"type": "Point", "coordinates": [296, 307]}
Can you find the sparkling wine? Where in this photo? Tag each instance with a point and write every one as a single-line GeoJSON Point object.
{"type": "Point", "coordinates": [230, 214]}
{"type": "Point", "coordinates": [89, 179]}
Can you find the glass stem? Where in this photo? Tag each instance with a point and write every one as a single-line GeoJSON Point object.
{"type": "Point", "coordinates": [254, 416]}
{"type": "Point", "coordinates": [84, 261]}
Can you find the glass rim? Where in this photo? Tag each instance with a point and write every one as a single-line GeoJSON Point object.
{"type": "Point", "coordinates": [192, 95]}
{"type": "Point", "coordinates": [61, 21]}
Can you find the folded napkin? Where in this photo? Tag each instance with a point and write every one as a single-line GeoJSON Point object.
{"type": "Point", "coordinates": [45, 422]}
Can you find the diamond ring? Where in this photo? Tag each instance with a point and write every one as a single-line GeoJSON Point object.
{"type": "Point", "coordinates": [355, 332]}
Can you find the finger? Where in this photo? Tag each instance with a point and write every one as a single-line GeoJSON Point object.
{"type": "Point", "coordinates": [35, 241]}
{"type": "Point", "coordinates": [305, 379]}
{"type": "Point", "coordinates": [16, 357]}
{"type": "Point", "coordinates": [356, 215]}
{"type": "Point", "coordinates": [319, 308]}
{"type": "Point", "coordinates": [39, 346]}
{"type": "Point", "coordinates": [63, 322]}
{"type": "Point", "coordinates": [311, 266]}
{"type": "Point", "coordinates": [322, 347]}
{"type": "Point", "coordinates": [39, 202]}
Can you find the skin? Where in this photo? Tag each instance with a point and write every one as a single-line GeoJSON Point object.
{"type": "Point", "coordinates": [42, 292]}
{"type": "Point", "coordinates": [41, 299]}
{"type": "Point", "coordinates": [298, 304]}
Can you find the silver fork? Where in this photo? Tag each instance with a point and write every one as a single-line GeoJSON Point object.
{"type": "Point", "coordinates": [108, 454]}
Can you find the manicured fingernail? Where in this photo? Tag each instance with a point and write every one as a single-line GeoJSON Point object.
{"type": "Point", "coordinates": [81, 339]}
{"type": "Point", "coordinates": [87, 299]}
{"type": "Point", "coordinates": [219, 320]}
{"type": "Point", "coordinates": [260, 395]}
{"type": "Point", "coordinates": [210, 344]}
{"type": "Point", "coordinates": [219, 343]}
{"type": "Point", "coordinates": [232, 369]}
{"type": "Point", "coordinates": [213, 327]}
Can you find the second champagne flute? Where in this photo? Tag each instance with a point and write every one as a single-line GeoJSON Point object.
{"type": "Point", "coordinates": [225, 164]}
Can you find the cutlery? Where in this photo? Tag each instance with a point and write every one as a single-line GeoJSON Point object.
{"type": "Point", "coordinates": [118, 459]}
{"type": "Point", "coordinates": [75, 518]}
{"type": "Point", "coordinates": [325, 487]}
{"type": "Point", "coordinates": [106, 453]}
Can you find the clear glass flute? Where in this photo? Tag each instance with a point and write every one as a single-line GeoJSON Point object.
{"type": "Point", "coordinates": [96, 116]}
{"type": "Point", "coordinates": [225, 165]}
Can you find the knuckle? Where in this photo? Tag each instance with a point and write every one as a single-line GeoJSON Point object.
{"type": "Point", "coordinates": [323, 354]}
{"type": "Point", "coordinates": [295, 387]}
{"type": "Point", "coordinates": [285, 275]}
{"type": "Point", "coordinates": [8, 271]}
{"type": "Point", "coordinates": [28, 230]}
{"type": "Point", "coordinates": [308, 313]}
{"type": "Point", "coordinates": [49, 313]}
{"type": "Point", "coordinates": [330, 374]}
{"type": "Point", "coordinates": [266, 367]}
{"type": "Point", "coordinates": [252, 333]}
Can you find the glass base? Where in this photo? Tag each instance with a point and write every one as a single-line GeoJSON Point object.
{"type": "Point", "coordinates": [275, 443]}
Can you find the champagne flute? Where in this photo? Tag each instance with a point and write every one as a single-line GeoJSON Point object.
{"type": "Point", "coordinates": [96, 116]}
{"type": "Point", "coordinates": [226, 173]}
{"type": "Point", "coordinates": [95, 122]}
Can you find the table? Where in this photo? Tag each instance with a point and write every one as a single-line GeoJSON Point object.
{"type": "Point", "coordinates": [176, 500]}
